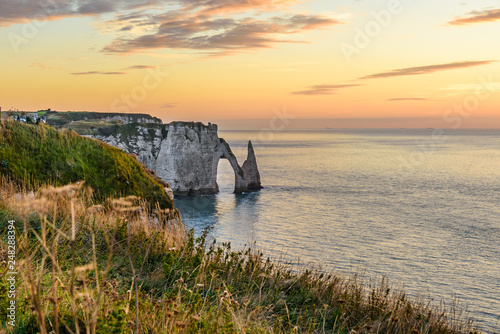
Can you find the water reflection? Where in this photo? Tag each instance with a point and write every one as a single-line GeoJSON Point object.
{"type": "Point", "coordinates": [198, 212]}
{"type": "Point", "coordinates": [235, 214]}
{"type": "Point", "coordinates": [241, 222]}
{"type": "Point", "coordinates": [327, 202]}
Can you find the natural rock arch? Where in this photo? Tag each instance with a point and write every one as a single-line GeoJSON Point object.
{"type": "Point", "coordinates": [184, 154]}
{"type": "Point", "coordinates": [240, 182]}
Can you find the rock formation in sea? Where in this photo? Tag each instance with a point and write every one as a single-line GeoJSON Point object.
{"type": "Point", "coordinates": [184, 154]}
{"type": "Point", "coordinates": [251, 170]}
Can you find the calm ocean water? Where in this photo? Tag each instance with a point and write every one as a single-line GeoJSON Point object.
{"type": "Point", "coordinates": [422, 209]}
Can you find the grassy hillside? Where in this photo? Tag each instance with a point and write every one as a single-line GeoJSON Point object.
{"type": "Point", "coordinates": [112, 270]}
{"type": "Point", "coordinates": [115, 128]}
{"type": "Point", "coordinates": [38, 154]}
{"type": "Point", "coordinates": [58, 119]}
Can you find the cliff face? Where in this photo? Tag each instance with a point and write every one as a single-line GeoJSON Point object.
{"type": "Point", "coordinates": [184, 154]}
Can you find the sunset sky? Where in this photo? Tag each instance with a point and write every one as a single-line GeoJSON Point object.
{"type": "Point", "coordinates": [318, 63]}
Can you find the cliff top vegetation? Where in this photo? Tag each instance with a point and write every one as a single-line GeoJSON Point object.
{"type": "Point", "coordinates": [85, 268]}
{"type": "Point", "coordinates": [38, 154]}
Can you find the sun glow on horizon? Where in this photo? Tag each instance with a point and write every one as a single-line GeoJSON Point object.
{"type": "Point", "coordinates": [383, 64]}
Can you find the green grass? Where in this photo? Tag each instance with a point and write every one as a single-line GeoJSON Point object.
{"type": "Point", "coordinates": [59, 119]}
{"type": "Point", "coordinates": [125, 272]}
{"type": "Point", "coordinates": [90, 127]}
{"type": "Point", "coordinates": [39, 154]}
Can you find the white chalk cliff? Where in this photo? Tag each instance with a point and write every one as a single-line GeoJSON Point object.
{"type": "Point", "coordinates": [184, 154]}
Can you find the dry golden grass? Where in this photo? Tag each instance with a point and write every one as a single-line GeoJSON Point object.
{"type": "Point", "coordinates": [121, 267]}
{"type": "Point", "coordinates": [54, 221]}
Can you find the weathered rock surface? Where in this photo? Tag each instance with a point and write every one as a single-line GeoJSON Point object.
{"type": "Point", "coordinates": [184, 154]}
{"type": "Point", "coordinates": [251, 170]}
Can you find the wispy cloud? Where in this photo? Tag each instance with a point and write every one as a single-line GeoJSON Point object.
{"type": "Point", "coordinates": [12, 12]}
{"type": "Point", "coordinates": [213, 27]}
{"type": "Point", "coordinates": [408, 99]}
{"type": "Point", "coordinates": [139, 67]}
{"type": "Point", "coordinates": [169, 105]}
{"type": "Point", "coordinates": [97, 72]}
{"type": "Point", "coordinates": [322, 89]}
{"type": "Point", "coordinates": [40, 65]}
{"type": "Point", "coordinates": [134, 67]}
{"type": "Point", "coordinates": [489, 15]}
{"type": "Point", "coordinates": [427, 69]}
{"type": "Point", "coordinates": [210, 7]}
{"type": "Point", "coordinates": [220, 34]}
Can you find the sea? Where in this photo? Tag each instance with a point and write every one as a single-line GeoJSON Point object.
{"type": "Point", "coordinates": [420, 207]}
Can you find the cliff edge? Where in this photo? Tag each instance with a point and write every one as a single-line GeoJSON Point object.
{"type": "Point", "coordinates": [186, 155]}
{"type": "Point", "coordinates": [38, 154]}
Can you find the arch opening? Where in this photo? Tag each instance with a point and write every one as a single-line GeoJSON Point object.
{"type": "Point", "coordinates": [225, 176]}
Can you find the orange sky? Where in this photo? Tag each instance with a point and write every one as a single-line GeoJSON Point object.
{"type": "Point", "coordinates": [327, 63]}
